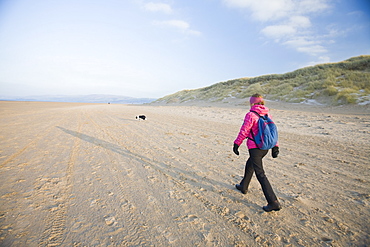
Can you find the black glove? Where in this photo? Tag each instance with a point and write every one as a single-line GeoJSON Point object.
{"type": "Point", "coordinates": [275, 152]}
{"type": "Point", "coordinates": [235, 149]}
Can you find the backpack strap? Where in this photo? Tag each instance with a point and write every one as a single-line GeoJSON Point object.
{"type": "Point", "coordinates": [264, 117]}
{"type": "Point", "coordinates": [251, 129]}
{"type": "Point", "coordinates": [256, 113]}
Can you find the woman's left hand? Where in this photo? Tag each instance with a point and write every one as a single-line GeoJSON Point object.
{"type": "Point", "coordinates": [235, 149]}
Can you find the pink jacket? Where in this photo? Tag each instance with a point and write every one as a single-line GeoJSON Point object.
{"type": "Point", "coordinates": [250, 123]}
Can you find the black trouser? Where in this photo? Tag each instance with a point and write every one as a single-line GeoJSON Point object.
{"type": "Point", "coordinates": [254, 164]}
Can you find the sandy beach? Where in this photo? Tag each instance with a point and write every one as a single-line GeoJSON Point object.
{"type": "Point", "coordinates": [92, 175]}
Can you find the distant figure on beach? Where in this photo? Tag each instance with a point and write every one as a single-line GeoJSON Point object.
{"type": "Point", "coordinates": [141, 117]}
{"type": "Point", "coordinates": [249, 130]}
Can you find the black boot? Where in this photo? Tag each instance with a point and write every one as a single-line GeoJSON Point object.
{"type": "Point", "coordinates": [239, 187]}
{"type": "Point", "coordinates": [273, 206]}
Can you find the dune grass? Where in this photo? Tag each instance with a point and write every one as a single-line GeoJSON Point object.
{"type": "Point", "coordinates": [346, 82]}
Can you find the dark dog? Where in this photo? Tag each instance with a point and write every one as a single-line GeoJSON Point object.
{"type": "Point", "coordinates": [142, 117]}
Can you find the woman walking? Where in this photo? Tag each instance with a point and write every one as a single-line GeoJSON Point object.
{"type": "Point", "coordinates": [249, 129]}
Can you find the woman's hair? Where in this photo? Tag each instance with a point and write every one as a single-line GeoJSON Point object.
{"type": "Point", "coordinates": [257, 99]}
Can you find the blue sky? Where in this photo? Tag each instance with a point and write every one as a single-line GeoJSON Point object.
{"type": "Point", "coordinates": [150, 48]}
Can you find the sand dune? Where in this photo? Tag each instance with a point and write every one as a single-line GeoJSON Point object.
{"type": "Point", "coordinates": [93, 175]}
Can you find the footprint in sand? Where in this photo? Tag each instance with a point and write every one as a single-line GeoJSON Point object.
{"type": "Point", "coordinates": [110, 221]}
{"type": "Point", "coordinates": [193, 219]}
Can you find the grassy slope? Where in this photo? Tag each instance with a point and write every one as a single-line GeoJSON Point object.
{"type": "Point", "coordinates": [346, 82]}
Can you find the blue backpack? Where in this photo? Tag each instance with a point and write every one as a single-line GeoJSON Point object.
{"type": "Point", "coordinates": [267, 135]}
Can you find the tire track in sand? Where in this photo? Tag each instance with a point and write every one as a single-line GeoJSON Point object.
{"type": "Point", "coordinates": [133, 229]}
{"type": "Point", "coordinates": [55, 222]}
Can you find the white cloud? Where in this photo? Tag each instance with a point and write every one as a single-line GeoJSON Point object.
{"type": "Point", "coordinates": [308, 45]}
{"type": "Point", "coordinates": [291, 28]}
{"type": "Point", "coordinates": [158, 7]}
{"type": "Point", "coordinates": [312, 50]}
{"type": "Point", "coordinates": [269, 10]}
{"type": "Point", "coordinates": [180, 25]}
{"type": "Point", "coordinates": [264, 10]}
{"type": "Point", "coordinates": [311, 6]}
{"type": "Point", "coordinates": [320, 60]}
{"type": "Point", "coordinates": [173, 23]}
{"type": "Point", "coordinates": [300, 21]}
{"type": "Point", "coordinates": [278, 31]}
{"type": "Point", "coordinates": [299, 42]}
{"type": "Point", "coordinates": [356, 13]}
{"type": "Point", "coordinates": [291, 21]}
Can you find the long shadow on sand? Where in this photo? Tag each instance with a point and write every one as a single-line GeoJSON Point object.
{"type": "Point", "coordinates": [176, 173]}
